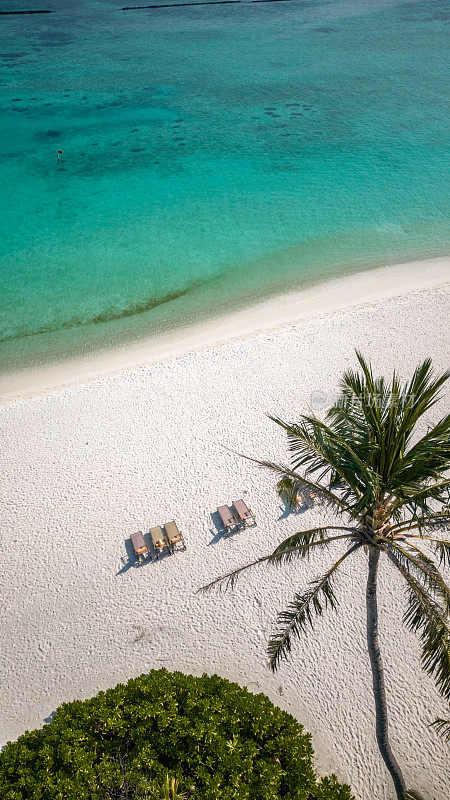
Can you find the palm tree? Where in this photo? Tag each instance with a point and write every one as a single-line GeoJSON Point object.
{"type": "Point", "coordinates": [368, 463]}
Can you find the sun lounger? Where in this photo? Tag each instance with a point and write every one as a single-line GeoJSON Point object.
{"type": "Point", "coordinates": [159, 540]}
{"type": "Point", "coordinates": [245, 514]}
{"type": "Point", "coordinates": [139, 546]}
{"type": "Point", "coordinates": [315, 496]}
{"type": "Point", "coordinates": [228, 519]}
{"type": "Point", "coordinates": [174, 536]}
{"type": "Point", "coordinates": [308, 496]}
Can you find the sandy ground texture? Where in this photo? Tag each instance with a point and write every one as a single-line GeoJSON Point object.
{"type": "Point", "coordinates": [85, 466]}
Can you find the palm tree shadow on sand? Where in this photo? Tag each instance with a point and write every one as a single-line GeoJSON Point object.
{"type": "Point", "coordinates": [287, 511]}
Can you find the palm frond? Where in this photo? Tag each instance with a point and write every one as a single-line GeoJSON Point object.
{"type": "Point", "coordinates": [431, 450]}
{"type": "Point", "coordinates": [300, 544]}
{"type": "Point", "coordinates": [425, 570]}
{"type": "Point", "coordinates": [379, 421]}
{"type": "Point", "coordinates": [442, 549]}
{"type": "Point", "coordinates": [228, 581]}
{"type": "Point", "coordinates": [440, 546]}
{"type": "Point", "coordinates": [362, 399]}
{"type": "Point", "coordinates": [299, 614]}
{"type": "Point", "coordinates": [422, 392]}
{"type": "Point", "coordinates": [410, 794]}
{"type": "Point", "coordinates": [427, 522]}
{"type": "Point", "coordinates": [330, 442]}
{"type": "Point", "coordinates": [280, 554]}
{"type": "Point", "coordinates": [375, 410]}
{"type": "Point", "coordinates": [314, 444]}
{"type": "Point", "coordinates": [443, 727]}
{"type": "Point", "coordinates": [416, 496]}
{"type": "Point", "coordinates": [425, 617]}
{"type": "Point", "coordinates": [300, 482]}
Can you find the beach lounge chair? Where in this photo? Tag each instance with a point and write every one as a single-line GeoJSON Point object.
{"type": "Point", "coordinates": [159, 540]}
{"type": "Point", "coordinates": [308, 497]}
{"type": "Point", "coordinates": [228, 519]}
{"type": "Point", "coordinates": [244, 513]}
{"type": "Point", "coordinates": [174, 536]}
{"type": "Point", "coordinates": [139, 546]}
{"type": "Point", "coordinates": [315, 496]}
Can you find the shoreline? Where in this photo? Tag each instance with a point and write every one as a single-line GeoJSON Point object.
{"type": "Point", "coordinates": [337, 295]}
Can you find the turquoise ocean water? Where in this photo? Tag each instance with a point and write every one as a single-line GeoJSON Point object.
{"type": "Point", "coordinates": [212, 155]}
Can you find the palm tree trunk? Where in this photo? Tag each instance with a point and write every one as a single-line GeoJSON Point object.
{"type": "Point", "coordinates": [376, 664]}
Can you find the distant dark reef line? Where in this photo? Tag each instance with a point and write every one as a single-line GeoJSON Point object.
{"type": "Point", "coordinates": [155, 5]}
{"type": "Point", "coordinates": [32, 11]}
{"type": "Point", "coordinates": [202, 3]}
{"type": "Point", "coordinates": [174, 5]}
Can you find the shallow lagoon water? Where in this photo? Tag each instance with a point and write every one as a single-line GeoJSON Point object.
{"type": "Point", "coordinates": [212, 156]}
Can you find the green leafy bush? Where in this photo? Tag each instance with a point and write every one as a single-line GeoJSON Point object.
{"type": "Point", "coordinates": [206, 738]}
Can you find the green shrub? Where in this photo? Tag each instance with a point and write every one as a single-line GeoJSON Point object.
{"type": "Point", "coordinates": [206, 736]}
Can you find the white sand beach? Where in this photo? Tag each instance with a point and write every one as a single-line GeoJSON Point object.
{"type": "Point", "coordinates": [87, 463]}
{"type": "Point", "coordinates": [323, 298]}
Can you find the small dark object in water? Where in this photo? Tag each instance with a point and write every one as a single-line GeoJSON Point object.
{"type": "Point", "coordinates": [13, 56]}
{"type": "Point", "coordinates": [51, 134]}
